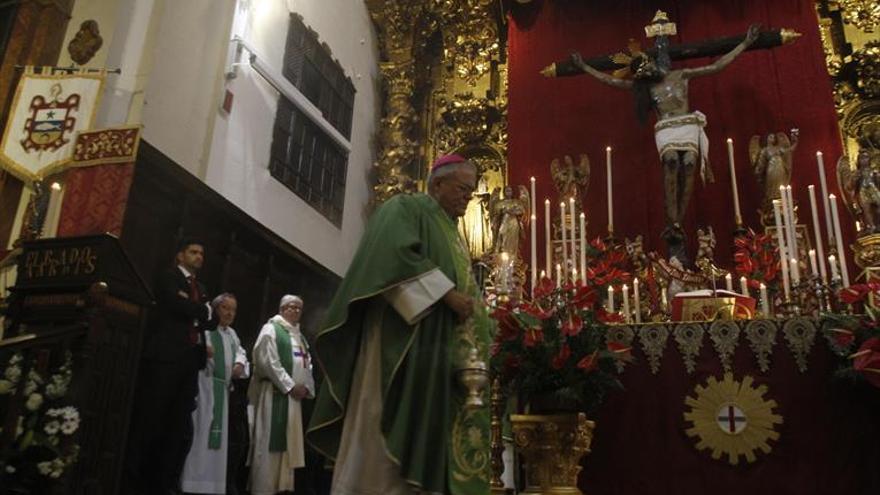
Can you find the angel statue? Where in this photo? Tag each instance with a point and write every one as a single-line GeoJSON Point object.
{"type": "Point", "coordinates": [771, 164]}
{"type": "Point", "coordinates": [571, 180]}
{"type": "Point", "coordinates": [509, 215]}
{"type": "Point", "coordinates": [862, 189]}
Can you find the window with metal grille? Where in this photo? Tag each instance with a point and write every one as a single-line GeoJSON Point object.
{"type": "Point", "coordinates": [303, 156]}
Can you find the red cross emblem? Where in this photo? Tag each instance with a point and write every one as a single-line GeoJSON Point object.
{"type": "Point", "coordinates": [731, 419]}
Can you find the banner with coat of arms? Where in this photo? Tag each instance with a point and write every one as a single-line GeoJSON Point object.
{"type": "Point", "coordinates": [47, 112]}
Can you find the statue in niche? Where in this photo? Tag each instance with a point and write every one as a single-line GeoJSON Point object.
{"type": "Point", "coordinates": [85, 43]}
{"type": "Point", "coordinates": [681, 141]}
{"type": "Point", "coordinates": [861, 188]}
{"type": "Point", "coordinates": [571, 180]}
{"type": "Point", "coordinates": [509, 215]}
{"type": "Point", "coordinates": [772, 165]}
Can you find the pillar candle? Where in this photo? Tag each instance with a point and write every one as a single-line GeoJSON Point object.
{"type": "Point", "coordinates": [608, 187]}
{"type": "Point", "coordinates": [828, 224]}
{"type": "Point", "coordinates": [558, 275]}
{"type": "Point", "coordinates": [626, 315]}
{"type": "Point", "coordinates": [765, 302]}
{"type": "Point", "coordinates": [792, 223]}
{"type": "Point", "coordinates": [610, 302]}
{"type": "Point", "coordinates": [789, 232]}
{"type": "Point", "coordinates": [548, 256]}
{"type": "Point", "coordinates": [573, 231]}
{"type": "Point", "coordinates": [736, 212]}
{"type": "Point", "coordinates": [818, 234]}
{"type": "Point", "coordinates": [838, 238]}
{"type": "Point", "coordinates": [832, 262]}
{"type": "Point", "coordinates": [583, 252]}
{"type": "Point", "coordinates": [813, 268]}
{"type": "Point", "coordinates": [780, 241]}
{"type": "Point", "coordinates": [534, 253]}
{"type": "Point", "coordinates": [636, 303]}
{"type": "Point", "coordinates": [728, 282]}
{"type": "Point", "coordinates": [744, 286]}
{"type": "Point", "coordinates": [564, 235]}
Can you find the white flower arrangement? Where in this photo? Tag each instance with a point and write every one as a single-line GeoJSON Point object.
{"type": "Point", "coordinates": [11, 375]}
{"type": "Point", "coordinates": [34, 401]}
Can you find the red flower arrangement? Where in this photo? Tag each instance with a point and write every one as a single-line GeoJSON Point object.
{"type": "Point", "coordinates": [856, 338]}
{"type": "Point", "coordinates": [555, 346]}
{"type": "Point", "coordinates": [757, 259]}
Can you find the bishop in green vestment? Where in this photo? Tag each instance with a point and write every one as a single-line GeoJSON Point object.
{"type": "Point", "coordinates": [390, 411]}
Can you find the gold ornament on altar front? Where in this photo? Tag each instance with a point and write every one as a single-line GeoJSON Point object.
{"type": "Point", "coordinates": [732, 418]}
{"type": "Point", "coordinates": [866, 251]}
{"type": "Point", "coordinates": [552, 446]}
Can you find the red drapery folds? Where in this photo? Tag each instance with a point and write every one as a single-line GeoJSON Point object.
{"type": "Point", "coordinates": [96, 190]}
{"type": "Point", "coordinates": [760, 92]}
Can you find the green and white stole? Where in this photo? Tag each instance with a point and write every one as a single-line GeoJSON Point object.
{"type": "Point", "coordinates": [278, 426]}
{"type": "Point", "coordinates": [215, 436]}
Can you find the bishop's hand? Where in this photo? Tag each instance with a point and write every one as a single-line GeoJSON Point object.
{"type": "Point", "coordinates": [462, 304]}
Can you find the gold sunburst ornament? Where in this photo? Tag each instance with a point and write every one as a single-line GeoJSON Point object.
{"type": "Point", "coordinates": [732, 418]}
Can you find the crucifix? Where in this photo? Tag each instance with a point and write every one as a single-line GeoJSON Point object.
{"type": "Point", "coordinates": [679, 132]}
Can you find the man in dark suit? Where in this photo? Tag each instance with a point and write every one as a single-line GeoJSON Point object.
{"type": "Point", "coordinates": [174, 352]}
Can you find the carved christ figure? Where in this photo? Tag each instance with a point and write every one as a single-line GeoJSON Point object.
{"type": "Point", "coordinates": [681, 141]}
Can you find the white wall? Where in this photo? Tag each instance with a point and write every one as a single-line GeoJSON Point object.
{"type": "Point", "coordinates": [230, 153]}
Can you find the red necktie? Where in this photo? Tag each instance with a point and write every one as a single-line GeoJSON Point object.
{"type": "Point", "coordinates": [194, 297]}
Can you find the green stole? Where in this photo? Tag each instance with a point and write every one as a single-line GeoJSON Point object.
{"type": "Point", "coordinates": [215, 436]}
{"type": "Point", "coordinates": [278, 426]}
{"type": "Point", "coordinates": [439, 445]}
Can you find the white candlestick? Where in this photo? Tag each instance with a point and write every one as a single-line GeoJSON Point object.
{"type": "Point", "coordinates": [548, 255]}
{"type": "Point", "coordinates": [814, 269]}
{"type": "Point", "coordinates": [583, 252]}
{"type": "Point", "coordinates": [793, 264]}
{"type": "Point", "coordinates": [636, 303]}
{"type": "Point", "coordinates": [503, 273]}
{"type": "Point", "coordinates": [53, 212]}
{"type": "Point", "coordinates": [838, 238]}
{"type": "Point", "coordinates": [558, 275]}
{"type": "Point", "coordinates": [818, 234]}
{"type": "Point", "coordinates": [534, 253]}
{"type": "Point", "coordinates": [789, 232]}
{"type": "Point", "coordinates": [564, 235]}
{"type": "Point", "coordinates": [626, 314]}
{"type": "Point", "coordinates": [780, 241]}
{"type": "Point", "coordinates": [532, 197]}
{"type": "Point", "coordinates": [832, 262]}
{"type": "Point", "coordinates": [765, 302]}
{"type": "Point", "coordinates": [736, 212]}
{"type": "Point", "coordinates": [610, 303]}
{"type": "Point", "coordinates": [792, 222]}
{"type": "Point", "coordinates": [610, 200]}
{"type": "Point", "coordinates": [543, 274]}
{"type": "Point", "coordinates": [744, 286]}
{"type": "Point", "coordinates": [573, 232]}
{"type": "Point", "coordinates": [828, 224]}
{"type": "Point", "coordinates": [728, 282]}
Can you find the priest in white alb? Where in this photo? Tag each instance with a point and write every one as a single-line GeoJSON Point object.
{"type": "Point", "coordinates": [282, 379]}
{"type": "Point", "coordinates": [205, 468]}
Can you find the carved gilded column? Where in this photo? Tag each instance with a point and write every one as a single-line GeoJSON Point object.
{"type": "Point", "coordinates": [396, 149]}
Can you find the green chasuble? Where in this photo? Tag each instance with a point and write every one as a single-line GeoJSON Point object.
{"type": "Point", "coordinates": [439, 445]}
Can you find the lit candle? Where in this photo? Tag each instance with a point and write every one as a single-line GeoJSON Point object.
{"type": "Point", "coordinates": [548, 255]}
{"type": "Point", "coordinates": [828, 224]}
{"type": "Point", "coordinates": [858, 226]}
{"type": "Point", "coordinates": [832, 262]}
{"type": "Point", "coordinates": [572, 231]}
{"type": "Point", "coordinates": [626, 315]}
{"type": "Point", "coordinates": [780, 241]}
{"type": "Point", "coordinates": [503, 272]}
{"type": "Point", "coordinates": [814, 269]}
{"type": "Point", "coordinates": [636, 303]}
{"type": "Point", "coordinates": [818, 234]}
{"type": "Point", "coordinates": [558, 275]}
{"type": "Point", "coordinates": [792, 224]}
{"type": "Point", "coordinates": [610, 303]}
{"type": "Point", "coordinates": [564, 235]}
{"type": "Point", "coordinates": [789, 232]}
{"type": "Point", "coordinates": [838, 238]}
{"type": "Point", "coordinates": [744, 286]}
{"type": "Point", "coordinates": [765, 302]}
{"type": "Point", "coordinates": [583, 246]}
{"type": "Point", "coordinates": [610, 201]}
{"type": "Point", "coordinates": [543, 274]}
{"type": "Point", "coordinates": [736, 212]}
{"type": "Point", "coordinates": [664, 299]}
{"type": "Point", "coordinates": [574, 275]}
{"type": "Point", "coordinates": [532, 197]}
{"type": "Point", "coordinates": [534, 257]}
{"type": "Point", "coordinates": [728, 282]}
{"type": "Point", "coordinates": [53, 211]}
{"type": "Point", "coordinates": [793, 266]}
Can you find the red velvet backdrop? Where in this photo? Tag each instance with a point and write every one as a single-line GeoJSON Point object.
{"type": "Point", "coordinates": [760, 92]}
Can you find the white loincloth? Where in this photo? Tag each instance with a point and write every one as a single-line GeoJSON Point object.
{"type": "Point", "coordinates": [685, 133]}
